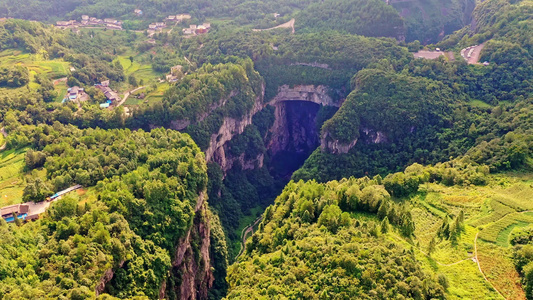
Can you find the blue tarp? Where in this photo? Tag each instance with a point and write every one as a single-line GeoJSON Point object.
{"type": "Point", "coordinates": [11, 219]}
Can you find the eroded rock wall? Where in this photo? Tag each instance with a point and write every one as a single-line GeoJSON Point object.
{"type": "Point", "coordinates": [191, 267]}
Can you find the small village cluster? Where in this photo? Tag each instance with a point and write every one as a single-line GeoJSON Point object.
{"type": "Point", "coordinates": [77, 94]}
{"type": "Point", "coordinates": [197, 29]}
{"type": "Point", "coordinates": [30, 211]}
{"type": "Point", "coordinates": [87, 21]}
{"type": "Point", "coordinates": [175, 74]}
{"type": "Point", "coordinates": [110, 95]}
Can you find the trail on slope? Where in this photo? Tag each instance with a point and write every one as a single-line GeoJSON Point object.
{"type": "Point", "coordinates": [244, 234]}
{"type": "Point", "coordinates": [479, 267]}
{"type": "Point", "coordinates": [289, 24]}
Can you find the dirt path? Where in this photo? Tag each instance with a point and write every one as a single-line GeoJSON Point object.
{"type": "Point", "coordinates": [474, 59]}
{"type": "Point", "coordinates": [289, 24]}
{"type": "Point", "coordinates": [57, 81]}
{"type": "Point", "coordinates": [479, 267]}
{"type": "Point", "coordinates": [127, 95]}
{"type": "Point", "coordinates": [475, 259]}
{"type": "Point", "coordinates": [249, 230]}
{"type": "Point", "coordinates": [4, 133]}
{"type": "Point", "coordinates": [472, 54]}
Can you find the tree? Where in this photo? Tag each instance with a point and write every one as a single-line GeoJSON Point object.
{"type": "Point", "coordinates": [36, 190]}
{"type": "Point", "coordinates": [132, 80]}
{"type": "Point", "coordinates": [431, 246]}
{"type": "Point", "coordinates": [385, 226]}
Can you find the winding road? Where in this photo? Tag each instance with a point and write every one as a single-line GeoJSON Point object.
{"type": "Point", "coordinates": [244, 234]}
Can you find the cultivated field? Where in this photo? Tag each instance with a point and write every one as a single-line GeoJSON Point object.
{"type": "Point", "coordinates": [491, 213]}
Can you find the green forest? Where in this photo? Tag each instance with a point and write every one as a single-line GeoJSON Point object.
{"type": "Point", "coordinates": [285, 150]}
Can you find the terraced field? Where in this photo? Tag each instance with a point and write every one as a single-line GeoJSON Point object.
{"type": "Point", "coordinates": [11, 181]}
{"type": "Point", "coordinates": [492, 212]}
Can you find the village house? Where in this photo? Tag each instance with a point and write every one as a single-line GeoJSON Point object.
{"type": "Point", "coordinates": [85, 17]}
{"type": "Point", "coordinates": [171, 18]}
{"type": "Point", "coordinates": [138, 12]}
{"type": "Point", "coordinates": [74, 92]}
{"type": "Point", "coordinates": [182, 17]}
{"type": "Point", "coordinates": [113, 26]}
{"type": "Point", "coordinates": [201, 29]}
{"type": "Point", "coordinates": [62, 23]}
{"type": "Point", "coordinates": [188, 31]}
{"type": "Point", "coordinates": [175, 74]}
{"type": "Point", "coordinates": [152, 26]}
{"type": "Point", "coordinates": [108, 92]}
{"type": "Point", "coordinates": [17, 209]}
{"type": "Point", "coordinates": [197, 29]}
{"type": "Point", "coordinates": [110, 21]}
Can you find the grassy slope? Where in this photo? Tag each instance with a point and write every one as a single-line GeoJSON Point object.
{"type": "Point", "coordinates": [493, 211]}
{"type": "Point", "coordinates": [144, 72]}
{"type": "Point", "coordinates": [11, 183]}
{"type": "Point", "coordinates": [36, 64]}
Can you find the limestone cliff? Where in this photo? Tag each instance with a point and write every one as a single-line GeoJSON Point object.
{"type": "Point", "coordinates": [310, 93]}
{"type": "Point", "coordinates": [334, 146]}
{"type": "Point", "coordinates": [366, 135]}
{"type": "Point", "coordinates": [191, 275]}
{"type": "Point", "coordinates": [229, 129]}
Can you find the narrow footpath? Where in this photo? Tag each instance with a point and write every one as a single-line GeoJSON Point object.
{"type": "Point", "coordinates": [4, 133]}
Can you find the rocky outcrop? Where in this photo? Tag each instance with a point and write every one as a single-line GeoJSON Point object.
{"type": "Point", "coordinates": [334, 146]}
{"type": "Point", "coordinates": [230, 128]}
{"type": "Point", "coordinates": [317, 94]}
{"type": "Point", "coordinates": [191, 265]}
{"type": "Point", "coordinates": [226, 162]}
{"type": "Point", "coordinates": [314, 65]}
{"type": "Point", "coordinates": [371, 136]}
{"type": "Point", "coordinates": [108, 275]}
{"type": "Point", "coordinates": [366, 135]}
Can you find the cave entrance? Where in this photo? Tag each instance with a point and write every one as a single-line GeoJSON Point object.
{"type": "Point", "coordinates": [295, 135]}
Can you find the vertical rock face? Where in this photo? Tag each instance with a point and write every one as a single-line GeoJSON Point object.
{"type": "Point", "coordinates": [294, 127]}
{"type": "Point", "coordinates": [191, 276]}
{"type": "Point", "coordinates": [328, 144]}
{"type": "Point", "coordinates": [317, 94]}
{"type": "Point", "coordinates": [230, 128]}
{"type": "Point", "coordinates": [366, 135]}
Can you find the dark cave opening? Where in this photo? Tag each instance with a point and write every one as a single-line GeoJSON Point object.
{"type": "Point", "coordinates": [295, 135]}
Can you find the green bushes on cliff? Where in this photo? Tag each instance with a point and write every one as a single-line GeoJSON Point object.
{"type": "Point", "coordinates": [312, 236]}
{"type": "Point", "coordinates": [143, 192]}
{"type": "Point", "coordinates": [393, 104]}
{"type": "Point", "coordinates": [204, 98]}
